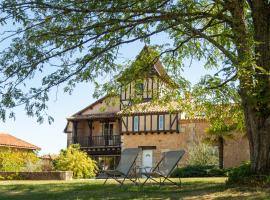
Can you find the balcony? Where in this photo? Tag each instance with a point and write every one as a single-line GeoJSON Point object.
{"type": "Point", "coordinates": [98, 141]}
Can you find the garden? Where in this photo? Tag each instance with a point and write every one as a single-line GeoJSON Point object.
{"type": "Point", "coordinates": [200, 179]}
{"type": "Point", "coordinates": [192, 188]}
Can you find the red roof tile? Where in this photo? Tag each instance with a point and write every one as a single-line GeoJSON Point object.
{"type": "Point", "coordinates": [8, 140]}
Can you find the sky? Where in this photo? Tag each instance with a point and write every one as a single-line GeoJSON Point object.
{"type": "Point", "coordinates": [50, 137]}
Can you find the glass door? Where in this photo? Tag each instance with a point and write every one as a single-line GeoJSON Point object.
{"type": "Point", "coordinates": [108, 133]}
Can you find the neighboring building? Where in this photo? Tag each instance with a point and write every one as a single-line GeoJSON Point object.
{"type": "Point", "coordinates": [9, 141]}
{"type": "Point", "coordinates": [111, 124]}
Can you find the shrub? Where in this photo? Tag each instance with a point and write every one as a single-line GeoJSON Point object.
{"type": "Point", "coordinates": [73, 159]}
{"type": "Point", "coordinates": [242, 175]}
{"type": "Point", "coordinates": [198, 171]}
{"type": "Point", "coordinates": [201, 154]}
{"type": "Point", "coordinates": [16, 160]}
{"type": "Point", "coordinates": [31, 166]}
{"type": "Point", "coordinates": [47, 165]}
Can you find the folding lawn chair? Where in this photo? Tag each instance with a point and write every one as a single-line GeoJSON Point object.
{"type": "Point", "coordinates": [164, 168]}
{"type": "Point", "coordinates": [125, 166]}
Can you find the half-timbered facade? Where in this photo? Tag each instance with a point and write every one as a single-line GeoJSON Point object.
{"type": "Point", "coordinates": [135, 118]}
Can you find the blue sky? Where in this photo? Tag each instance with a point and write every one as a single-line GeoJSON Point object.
{"type": "Point", "coordinates": [51, 137]}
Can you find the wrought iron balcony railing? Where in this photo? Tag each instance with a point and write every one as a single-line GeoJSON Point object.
{"type": "Point", "coordinates": [97, 141]}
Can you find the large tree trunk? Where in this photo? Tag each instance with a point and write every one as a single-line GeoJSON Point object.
{"type": "Point", "coordinates": [221, 152]}
{"type": "Point", "coordinates": [253, 71]}
{"type": "Point", "coordinates": [258, 132]}
{"type": "Point", "coordinates": [257, 113]}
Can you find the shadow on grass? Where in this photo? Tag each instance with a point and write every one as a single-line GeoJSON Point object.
{"type": "Point", "coordinates": [86, 190]}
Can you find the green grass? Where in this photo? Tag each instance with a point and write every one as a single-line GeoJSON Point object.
{"type": "Point", "coordinates": [192, 188]}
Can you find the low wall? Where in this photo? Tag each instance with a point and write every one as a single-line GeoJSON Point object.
{"type": "Point", "coordinates": [51, 175]}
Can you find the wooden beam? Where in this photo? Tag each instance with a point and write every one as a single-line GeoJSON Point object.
{"type": "Point", "coordinates": [177, 126]}
{"type": "Point", "coordinates": [120, 126]}
{"type": "Point", "coordinates": [152, 87]}
{"type": "Point", "coordinates": [130, 91]}
{"type": "Point", "coordinates": [138, 123]}
{"type": "Point", "coordinates": [120, 97]}
{"type": "Point", "coordinates": [75, 131]}
{"type": "Point", "coordinates": [125, 125]}
{"type": "Point", "coordinates": [125, 92]}
{"type": "Point", "coordinates": [157, 122]}
{"type": "Point", "coordinates": [151, 119]}
{"type": "Point", "coordinates": [163, 122]}
{"type": "Point", "coordinates": [157, 87]}
{"type": "Point", "coordinates": [148, 131]}
{"type": "Point", "coordinates": [132, 123]}
{"type": "Point", "coordinates": [173, 120]}
{"type": "Point", "coordinates": [170, 121]}
{"type": "Point", "coordinates": [147, 88]}
{"type": "Point", "coordinates": [144, 122]}
{"type": "Point", "coordinates": [90, 125]}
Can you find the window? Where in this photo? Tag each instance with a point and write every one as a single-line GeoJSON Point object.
{"type": "Point", "coordinates": [139, 88]}
{"type": "Point", "coordinates": [107, 130]}
{"type": "Point", "coordinates": [136, 123]}
{"type": "Point", "coordinates": [161, 122]}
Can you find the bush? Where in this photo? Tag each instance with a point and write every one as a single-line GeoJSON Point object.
{"type": "Point", "coordinates": [198, 171]}
{"type": "Point", "coordinates": [242, 175]}
{"type": "Point", "coordinates": [73, 159]}
{"type": "Point", "coordinates": [200, 154]}
{"type": "Point", "coordinates": [47, 165]}
{"type": "Point", "coordinates": [16, 160]}
{"type": "Point", "coordinates": [31, 166]}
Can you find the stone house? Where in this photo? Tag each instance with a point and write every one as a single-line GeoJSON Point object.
{"type": "Point", "coordinates": [114, 123]}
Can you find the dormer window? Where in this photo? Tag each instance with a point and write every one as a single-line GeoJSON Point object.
{"type": "Point", "coordinates": [139, 87]}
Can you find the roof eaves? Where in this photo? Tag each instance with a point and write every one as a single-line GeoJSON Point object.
{"type": "Point", "coordinates": [91, 105]}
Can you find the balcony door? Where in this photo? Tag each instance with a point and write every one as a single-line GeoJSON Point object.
{"type": "Point", "coordinates": [107, 132]}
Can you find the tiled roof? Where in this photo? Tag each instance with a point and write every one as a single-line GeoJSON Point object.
{"type": "Point", "coordinates": [151, 107]}
{"type": "Point", "coordinates": [94, 116]}
{"type": "Point", "coordinates": [8, 140]}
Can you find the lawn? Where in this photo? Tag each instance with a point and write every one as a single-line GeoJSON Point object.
{"type": "Point", "coordinates": [193, 188]}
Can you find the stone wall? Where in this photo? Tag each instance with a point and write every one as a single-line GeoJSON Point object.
{"type": "Point", "coordinates": [236, 151]}
{"type": "Point", "coordinates": [191, 132]}
{"type": "Point", "coordinates": [52, 175]}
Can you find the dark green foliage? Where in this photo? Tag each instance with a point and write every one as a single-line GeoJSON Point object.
{"type": "Point", "coordinates": [244, 176]}
{"type": "Point", "coordinates": [198, 171]}
{"type": "Point", "coordinates": [68, 42]}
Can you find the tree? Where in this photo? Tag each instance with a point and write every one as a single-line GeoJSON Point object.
{"type": "Point", "coordinates": [222, 109]}
{"type": "Point", "coordinates": [73, 159]}
{"type": "Point", "coordinates": [232, 35]}
{"type": "Point", "coordinates": [201, 154]}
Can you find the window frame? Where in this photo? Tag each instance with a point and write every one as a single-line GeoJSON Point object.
{"type": "Point", "coordinates": [161, 126]}
{"type": "Point", "coordinates": [139, 88]}
{"type": "Point", "coordinates": [135, 126]}
{"type": "Point", "coordinates": [110, 130]}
